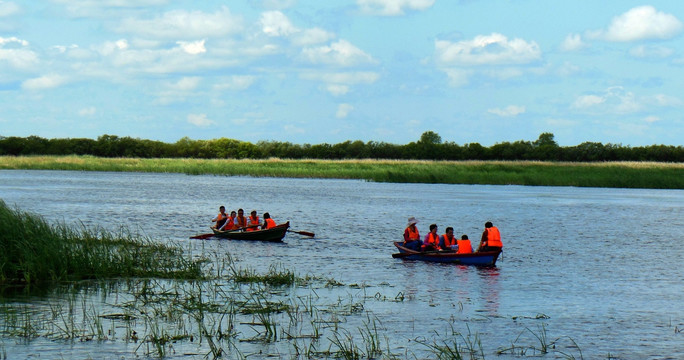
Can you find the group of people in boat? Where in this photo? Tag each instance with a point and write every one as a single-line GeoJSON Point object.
{"type": "Point", "coordinates": [490, 241]}
{"type": "Point", "coordinates": [238, 221]}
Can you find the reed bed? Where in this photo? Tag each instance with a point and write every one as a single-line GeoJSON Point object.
{"type": "Point", "coordinates": [609, 174]}
{"type": "Point", "coordinates": [35, 252]}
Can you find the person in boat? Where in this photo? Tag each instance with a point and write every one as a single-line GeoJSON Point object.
{"type": "Point", "coordinates": [221, 218]}
{"type": "Point", "coordinates": [253, 221]}
{"type": "Point", "coordinates": [240, 220]}
{"type": "Point", "coordinates": [268, 222]}
{"type": "Point", "coordinates": [491, 238]}
{"type": "Point", "coordinates": [431, 241]}
{"type": "Point", "coordinates": [463, 245]}
{"type": "Point", "coordinates": [412, 236]}
{"type": "Point", "coordinates": [448, 241]}
{"type": "Point", "coordinates": [230, 223]}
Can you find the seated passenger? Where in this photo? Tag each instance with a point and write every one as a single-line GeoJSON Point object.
{"type": "Point", "coordinates": [268, 222]}
{"type": "Point", "coordinates": [411, 235]}
{"type": "Point", "coordinates": [220, 219]}
{"type": "Point", "coordinates": [448, 241]}
{"type": "Point", "coordinates": [464, 246]}
{"type": "Point", "coordinates": [431, 241]}
{"type": "Point", "coordinates": [230, 223]}
{"type": "Point", "coordinates": [253, 221]}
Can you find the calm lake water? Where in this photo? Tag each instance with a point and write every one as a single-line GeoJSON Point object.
{"type": "Point", "coordinates": [596, 271]}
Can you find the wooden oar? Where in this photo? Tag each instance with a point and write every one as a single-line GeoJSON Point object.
{"type": "Point", "coordinates": [202, 236]}
{"type": "Point", "coordinates": [305, 233]}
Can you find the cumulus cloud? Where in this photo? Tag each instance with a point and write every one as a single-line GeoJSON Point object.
{"type": "Point", "coordinates": [392, 7]}
{"type": "Point", "coordinates": [651, 119]}
{"type": "Point", "coordinates": [200, 120]}
{"type": "Point", "coordinates": [640, 23]}
{"type": "Point", "coordinates": [312, 36]}
{"type": "Point", "coordinates": [8, 8]}
{"type": "Point", "coordinates": [44, 82]}
{"type": "Point", "coordinates": [275, 23]}
{"type": "Point", "coordinates": [193, 47]}
{"type": "Point", "coordinates": [491, 49]}
{"type": "Point", "coordinates": [16, 53]}
{"type": "Point", "coordinates": [343, 110]}
{"type": "Point", "coordinates": [182, 24]}
{"type": "Point", "coordinates": [616, 100]}
{"type": "Point", "coordinates": [339, 83]}
{"type": "Point", "coordinates": [511, 110]}
{"type": "Point", "coordinates": [573, 42]}
{"type": "Point", "coordinates": [341, 53]}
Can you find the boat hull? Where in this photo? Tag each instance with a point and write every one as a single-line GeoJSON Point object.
{"type": "Point", "coordinates": [275, 234]}
{"type": "Point", "coordinates": [484, 258]}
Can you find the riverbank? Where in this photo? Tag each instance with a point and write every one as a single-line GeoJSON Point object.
{"type": "Point", "coordinates": [534, 173]}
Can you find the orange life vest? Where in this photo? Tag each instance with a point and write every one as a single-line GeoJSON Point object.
{"type": "Point", "coordinates": [269, 223]}
{"type": "Point", "coordinates": [432, 239]}
{"type": "Point", "coordinates": [253, 221]}
{"type": "Point", "coordinates": [241, 221]}
{"type": "Point", "coordinates": [230, 224]}
{"type": "Point", "coordinates": [493, 237]}
{"type": "Point", "coordinates": [464, 247]}
{"type": "Point", "coordinates": [413, 233]}
{"type": "Point", "coordinates": [448, 242]}
{"type": "Point", "coordinates": [220, 219]}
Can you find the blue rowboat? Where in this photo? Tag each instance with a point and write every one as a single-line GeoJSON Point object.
{"type": "Point", "coordinates": [483, 258]}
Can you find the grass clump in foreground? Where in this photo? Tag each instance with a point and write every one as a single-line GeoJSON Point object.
{"type": "Point", "coordinates": [650, 175]}
{"type": "Point", "coordinates": [35, 252]}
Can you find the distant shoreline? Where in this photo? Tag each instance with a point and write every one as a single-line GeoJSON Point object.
{"type": "Point", "coordinates": [649, 175]}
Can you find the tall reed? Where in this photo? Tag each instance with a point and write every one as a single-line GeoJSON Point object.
{"type": "Point", "coordinates": [35, 252]}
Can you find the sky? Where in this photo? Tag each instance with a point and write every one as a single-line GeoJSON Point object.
{"type": "Point", "coordinates": [312, 72]}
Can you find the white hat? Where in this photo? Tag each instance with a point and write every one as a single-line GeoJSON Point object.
{"type": "Point", "coordinates": [412, 220]}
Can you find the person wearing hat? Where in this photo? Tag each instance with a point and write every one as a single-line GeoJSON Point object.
{"type": "Point", "coordinates": [411, 235]}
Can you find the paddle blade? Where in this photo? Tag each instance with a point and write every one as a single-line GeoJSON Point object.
{"type": "Point", "coordinates": [305, 233]}
{"type": "Point", "coordinates": [202, 236]}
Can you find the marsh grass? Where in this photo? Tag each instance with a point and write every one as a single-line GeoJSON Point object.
{"type": "Point", "coordinates": [35, 252]}
{"type": "Point", "coordinates": [537, 173]}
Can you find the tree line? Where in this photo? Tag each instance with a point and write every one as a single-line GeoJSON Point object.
{"type": "Point", "coordinates": [429, 147]}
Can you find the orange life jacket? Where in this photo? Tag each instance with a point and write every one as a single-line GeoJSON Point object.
{"type": "Point", "coordinates": [413, 233]}
{"type": "Point", "coordinates": [241, 221]}
{"type": "Point", "coordinates": [253, 221]}
{"type": "Point", "coordinates": [269, 223]}
{"type": "Point", "coordinates": [230, 224]}
{"type": "Point", "coordinates": [220, 219]}
{"type": "Point", "coordinates": [464, 247]}
{"type": "Point", "coordinates": [493, 237]}
{"type": "Point", "coordinates": [448, 242]}
{"type": "Point", "coordinates": [432, 239]}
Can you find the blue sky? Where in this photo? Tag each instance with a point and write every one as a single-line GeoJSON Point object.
{"type": "Point", "coordinates": [330, 71]}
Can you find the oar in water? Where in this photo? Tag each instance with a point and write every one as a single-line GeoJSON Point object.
{"type": "Point", "coordinates": [305, 233]}
{"type": "Point", "coordinates": [202, 236]}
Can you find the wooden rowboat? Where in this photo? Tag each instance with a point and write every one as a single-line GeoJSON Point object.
{"type": "Point", "coordinates": [484, 258]}
{"type": "Point", "coordinates": [275, 234]}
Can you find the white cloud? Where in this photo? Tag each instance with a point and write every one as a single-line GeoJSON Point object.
{"type": "Point", "coordinates": [616, 100]}
{"type": "Point", "coordinates": [511, 110]}
{"type": "Point", "coordinates": [392, 7]}
{"type": "Point", "coordinates": [640, 23]}
{"type": "Point", "coordinates": [486, 50]}
{"type": "Point", "coordinates": [181, 24]}
{"type": "Point", "coordinates": [651, 119]}
{"type": "Point", "coordinates": [337, 89]}
{"type": "Point", "coordinates": [43, 82]}
{"type": "Point", "coordinates": [193, 47]}
{"type": "Point", "coordinates": [237, 82]}
{"type": "Point", "coordinates": [340, 53]}
{"type": "Point", "coordinates": [200, 120]}
{"type": "Point", "coordinates": [8, 8]}
{"type": "Point", "coordinates": [651, 51]}
{"type": "Point", "coordinates": [89, 111]}
{"type": "Point", "coordinates": [275, 23]}
{"type": "Point", "coordinates": [343, 110]}
{"type": "Point", "coordinates": [15, 52]}
{"type": "Point", "coordinates": [573, 42]}
{"type": "Point", "coordinates": [312, 36]}
{"type": "Point", "coordinates": [187, 83]}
